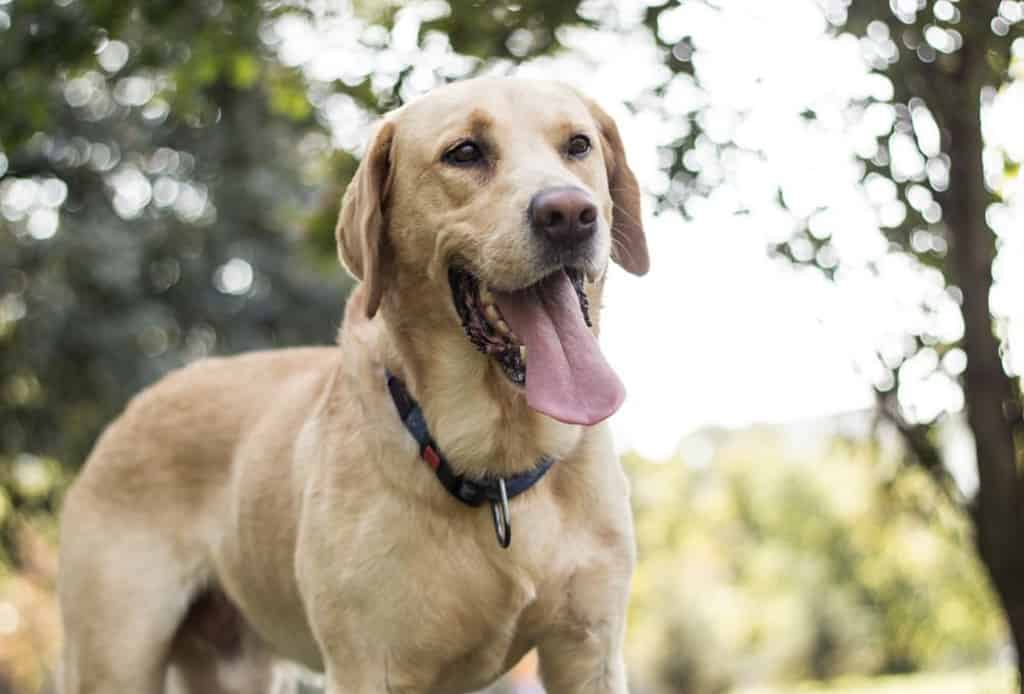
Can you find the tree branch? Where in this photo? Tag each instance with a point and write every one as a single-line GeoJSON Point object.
{"type": "Point", "coordinates": [922, 451]}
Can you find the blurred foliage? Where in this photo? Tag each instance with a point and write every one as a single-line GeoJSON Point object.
{"type": "Point", "coordinates": [168, 190]}
{"type": "Point", "coordinates": [513, 31]}
{"type": "Point", "coordinates": [939, 190]}
{"type": "Point", "coordinates": [988, 681]}
{"type": "Point", "coordinates": [29, 617]}
{"type": "Point", "coordinates": [193, 44]}
{"type": "Point", "coordinates": [777, 562]}
{"type": "Point", "coordinates": [154, 180]}
{"type": "Point", "coordinates": [937, 63]}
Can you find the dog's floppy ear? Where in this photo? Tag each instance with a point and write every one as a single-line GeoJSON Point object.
{"type": "Point", "coordinates": [361, 232]}
{"type": "Point", "coordinates": [629, 246]}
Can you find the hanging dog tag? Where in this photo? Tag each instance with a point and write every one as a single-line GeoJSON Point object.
{"type": "Point", "coordinates": [502, 518]}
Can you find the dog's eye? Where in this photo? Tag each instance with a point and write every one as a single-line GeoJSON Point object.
{"type": "Point", "coordinates": [466, 152]}
{"type": "Point", "coordinates": [579, 146]}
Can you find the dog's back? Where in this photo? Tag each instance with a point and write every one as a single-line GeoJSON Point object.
{"type": "Point", "coordinates": [179, 435]}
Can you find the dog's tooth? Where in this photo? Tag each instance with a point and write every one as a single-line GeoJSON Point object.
{"type": "Point", "coordinates": [502, 327]}
{"type": "Point", "coordinates": [522, 353]}
{"type": "Point", "coordinates": [485, 296]}
{"type": "Point", "coordinates": [492, 314]}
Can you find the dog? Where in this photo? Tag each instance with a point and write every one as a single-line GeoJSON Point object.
{"type": "Point", "coordinates": [414, 509]}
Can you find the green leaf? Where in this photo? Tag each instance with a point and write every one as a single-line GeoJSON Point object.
{"type": "Point", "coordinates": [245, 70]}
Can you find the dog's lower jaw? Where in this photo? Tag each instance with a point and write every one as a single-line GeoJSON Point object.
{"type": "Point", "coordinates": [486, 328]}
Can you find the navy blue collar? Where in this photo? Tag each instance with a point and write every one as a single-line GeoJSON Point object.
{"type": "Point", "coordinates": [472, 492]}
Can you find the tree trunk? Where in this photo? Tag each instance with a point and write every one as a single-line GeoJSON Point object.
{"type": "Point", "coordinates": [991, 397]}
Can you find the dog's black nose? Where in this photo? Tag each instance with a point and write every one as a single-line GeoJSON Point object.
{"type": "Point", "coordinates": [564, 216]}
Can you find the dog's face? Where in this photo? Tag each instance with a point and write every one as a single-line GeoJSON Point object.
{"type": "Point", "coordinates": [516, 193]}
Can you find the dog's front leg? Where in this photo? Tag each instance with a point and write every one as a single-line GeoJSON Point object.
{"type": "Point", "coordinates": [583, 661]}
{"type": "Point", "coordinates": [373, 674]}
{"type": "Point", "coordinates": [583, 652]}
{"type": "Point", "coordinates": [576, 666]}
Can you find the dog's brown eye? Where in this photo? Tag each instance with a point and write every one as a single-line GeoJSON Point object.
{"type": "Point", "coordinates": [579, 146]}
{"type": "Point", "coordinates": [467, 152]}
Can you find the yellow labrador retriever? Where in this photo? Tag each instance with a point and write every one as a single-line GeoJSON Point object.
{"type": "Point", "coordinates": [413, 510]}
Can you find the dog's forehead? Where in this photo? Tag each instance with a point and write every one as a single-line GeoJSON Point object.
{"type": "Point", "coordinates": [503, 106]}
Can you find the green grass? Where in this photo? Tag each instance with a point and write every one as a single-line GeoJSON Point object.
{"type": "Point", "coordinates": [990, 681]}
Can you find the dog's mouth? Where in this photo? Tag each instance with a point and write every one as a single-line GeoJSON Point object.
{"type": "Point", "coordinates": [548, 324]}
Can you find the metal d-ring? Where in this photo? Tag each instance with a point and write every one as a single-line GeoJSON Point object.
{"type": "Point", "coordinates": [502, 518]}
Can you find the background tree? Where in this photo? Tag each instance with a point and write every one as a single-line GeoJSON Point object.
{"type": "Point", "coordinates": [779, 562]}
{"type": "Point", "coordinates": [150, 188]}
{"type": "Point", "coordinates": [944, 62]}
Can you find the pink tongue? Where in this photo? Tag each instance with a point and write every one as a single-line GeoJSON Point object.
{"type": "Point", "coordinates": [567, 377]}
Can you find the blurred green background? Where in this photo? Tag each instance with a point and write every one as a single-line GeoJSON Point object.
{"type": "Point", "coordinates": [169, 177]}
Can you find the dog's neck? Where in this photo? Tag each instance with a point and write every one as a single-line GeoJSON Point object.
{"type": "Point", "coordinates": [480, 421]}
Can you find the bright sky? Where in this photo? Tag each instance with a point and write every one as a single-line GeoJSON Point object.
{"type": "Point", "coordinates": [718, 333]}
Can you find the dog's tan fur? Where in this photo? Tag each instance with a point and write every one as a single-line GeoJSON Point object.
{"type": "Point", "coordinates": [285, 481]}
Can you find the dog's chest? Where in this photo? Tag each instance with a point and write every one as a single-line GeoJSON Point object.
{"type": "Point", "coordinates": [475, 620]}
{"type": "Point", "coordinates": [455, 610]}
{"type": "Point", "coordinates": [418, 592]}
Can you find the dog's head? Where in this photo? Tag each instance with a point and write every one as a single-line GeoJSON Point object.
{"type": "Point", "coordinates": [514, 194]}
